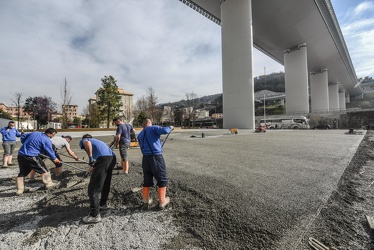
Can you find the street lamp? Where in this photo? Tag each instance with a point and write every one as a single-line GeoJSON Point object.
{"type": "Point", "coordinates": [264, 112]}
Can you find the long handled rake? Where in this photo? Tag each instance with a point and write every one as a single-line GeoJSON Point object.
{"type": "Point", "coordinates": [70, 165]}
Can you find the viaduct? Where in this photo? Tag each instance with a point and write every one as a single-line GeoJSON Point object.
{"type": "Point", "coordinates": [302, 35]}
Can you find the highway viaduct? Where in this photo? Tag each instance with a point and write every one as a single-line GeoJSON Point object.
{"type": "Point", "coordinates": [302, 35]}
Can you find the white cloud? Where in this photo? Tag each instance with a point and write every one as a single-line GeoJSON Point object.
{"type": "Point", "coordinates": [358, 31]}
{"type": "Point", "coordinates": [366, 6]}
{"type": "Point", "coordinates": [163, 44]}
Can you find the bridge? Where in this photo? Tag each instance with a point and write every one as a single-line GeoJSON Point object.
{"type": "Point", "coordinates": [302, 35]}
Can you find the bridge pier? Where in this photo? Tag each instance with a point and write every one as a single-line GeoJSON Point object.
{"type": "Point", "coordinates": [334, 97]}
{"type": "Point", "coordinates": [319, 92]}
{"type": "Point", "coordinates": [342, 101]}
{"type": "Point", "coordinates": [237, 64]}
{"type": "Point", "coordinates": [296, 80]}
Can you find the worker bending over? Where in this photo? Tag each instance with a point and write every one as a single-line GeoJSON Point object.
{"type": "Point", "coordinates": [29, 158]}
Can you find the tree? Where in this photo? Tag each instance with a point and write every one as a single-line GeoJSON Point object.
{"type": "Point", "coordinates": [5, 115]}
{"type": "Point", "coordinates": [152, 102]}
{"type": "Point", "coordinates": [109, 99]}
{"type": "Point", "coordinates": [192, 102]}
{"type": "Point", "coordinates": [41, 108]}
{"type": "Point", "coordinates": [142, 115]}
{"type": "Point", "coordinates": [77, 121]}
{"type": "Point", "coordinates": [94, 117]}
{"type": "Point", "coordinates": [17, 100]}
{"type": "Point", "coordinates": [178, 116]}
{"type": "Point", "coordinates": [66, 101]}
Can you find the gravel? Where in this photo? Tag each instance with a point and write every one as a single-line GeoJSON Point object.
{"type": "Point", "coordinates": [269, 190]}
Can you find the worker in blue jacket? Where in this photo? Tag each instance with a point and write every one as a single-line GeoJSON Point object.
{"type": "Point", "coordinates": [153, 162]}
{"type": "Point", "coordinates": [102, 161]}
{"type": "Point", "coordinates": [10, 134]}
{"type": "Point", "coordinates": [29, 157]}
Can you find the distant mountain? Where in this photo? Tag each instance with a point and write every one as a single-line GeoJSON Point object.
{"type": "Point", "coordinates": [209, 99]}
{"type": "Point", "coordinates": [273, 83]}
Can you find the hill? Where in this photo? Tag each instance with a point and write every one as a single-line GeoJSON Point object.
{"type": "Point", "coordinates": [273, 82]}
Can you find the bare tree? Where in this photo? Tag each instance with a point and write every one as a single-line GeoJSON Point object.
{"type": "Point", "coordinates": [17, 101]}
{"type": "Point", "coordinates": [152, 102]}
{"type": "Point", "coordinates": [192, 102]}
{"type": "Point", "coordinates": [141, 104]}
{"type": "Point", "coordinates": [66, 101]}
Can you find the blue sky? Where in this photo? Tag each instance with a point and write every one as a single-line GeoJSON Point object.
{"type": "Point", "coordinates": [171, 48]}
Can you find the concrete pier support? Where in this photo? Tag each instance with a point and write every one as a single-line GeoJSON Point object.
{"type": "Point", "coordinates": [237, 64]}
{"type": "Point", "coordinates": [348, 98]}
{"type": "Point", "coordinates": [296, 80]}
{"type": "Point", "coordinates": [319, 92]}
{"type": "Point", "coordinates": [342, 101]}
{"type": "Point", "coordinates": [334, 97]}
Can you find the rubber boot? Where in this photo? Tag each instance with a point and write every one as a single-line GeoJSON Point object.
{"type": "Point", "coordinates": [10, 158]}
{"type": "Point", "coordinates": [125, 167]}
{"type": "Point", "coordinates": [58, 171]}
{"type": "Point", "coordinates": [46, 177]}
{"type": "Point", "coordinates": [163, 199]}
{"type": "Point", "coordinates": [32, 176]}
{"type": "Point", "coordinates": [5, 161]}
{"type": "Point", "coordinates": [147, 201]}
{"type": "Point", "coordinates": [20, 185]}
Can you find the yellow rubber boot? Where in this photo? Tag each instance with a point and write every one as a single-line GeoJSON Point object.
{"type": "Point", "coordinates": [46, 177]}
{"type": "Point", "coordinates": [32, 176]}
{"type": "Point", "coordinates": [5, 161]}
{"type": "Point", "coordinates": [10, 162]}
{"type": "Point", "coordinates": [163, 199]}
{"type": "Point", "coordinates": [20, 185]}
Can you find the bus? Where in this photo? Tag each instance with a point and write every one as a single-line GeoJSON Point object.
{"type": "Point", "coordinates": [286, 122]}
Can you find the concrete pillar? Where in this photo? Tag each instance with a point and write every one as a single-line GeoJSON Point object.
{"type": "Point", "coordinates": [348, 98]}
{"type": "Point", "coordinates": [296, 80]}
{"type": "Point", "coordinates": [319, 92]}
{"type": "Point", "coordinates": [334, 97]}
{"type": "Point", "coordinates": [237, 64]}
{"type": "Point", "coordinates": [342, 101]}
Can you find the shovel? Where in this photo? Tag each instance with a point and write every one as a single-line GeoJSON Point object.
{"type": "Point", "coordinates": [67, 164]}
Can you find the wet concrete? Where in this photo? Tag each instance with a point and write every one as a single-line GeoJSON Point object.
{"type": "Point", "coordinates": [269, 190]}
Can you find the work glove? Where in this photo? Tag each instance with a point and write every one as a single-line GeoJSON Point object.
{"type": "Point", "coordinates": [89, 172]}
{"type": "Point", "coordinates": [91, 162]}
{"type": "Point", "coordinates": [57, 162]}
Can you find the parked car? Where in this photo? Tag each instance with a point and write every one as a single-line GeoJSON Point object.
{"type": "Point", "coordinates": [322, 126]}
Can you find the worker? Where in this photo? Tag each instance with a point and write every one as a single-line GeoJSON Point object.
{"type": "Point", "coordinates": [122, 141]}
{"type": "Point", "coordinates": [153, 162]}
{"type": "Point", "coordinates": [29, 158]}
{"type": "Point", "coordinates": [102, 161]}
{"type": "Point", "coordinates": [9, 133]}
{"type": "Point", "coordinates": [58, 143]}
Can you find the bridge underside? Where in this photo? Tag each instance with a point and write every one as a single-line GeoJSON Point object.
{"type": "Point", "coordinates": [280, 25]}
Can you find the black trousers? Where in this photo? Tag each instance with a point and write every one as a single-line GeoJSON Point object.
{"type": "Point", "coordinates": [100, 183]}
